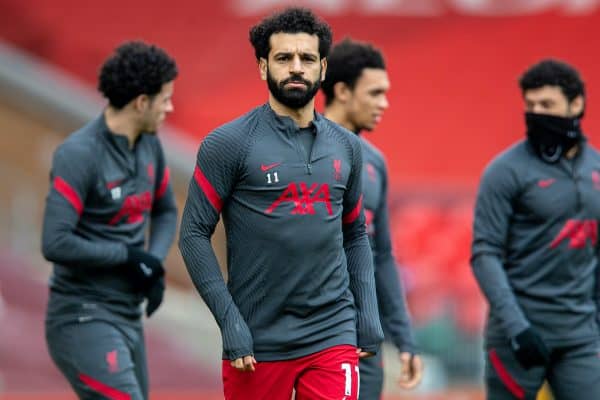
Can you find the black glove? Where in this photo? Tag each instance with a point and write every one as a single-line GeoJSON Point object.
{"type": "Point", "coordinates": [155, 296]}
{"type": "Point", "coordinates": [529, 349]}
{"type": "Point", "coordinates": [142, 268]}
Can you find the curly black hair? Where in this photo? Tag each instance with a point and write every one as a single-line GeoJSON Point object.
{"type": "Point", "coordinates": [290, 20]}
{"type": "Point", "coordinates": [346, 62]}
{"type": "Point", "coordinates": [553, 73]}
{"type": "Point", "coordinates": [135, 68]}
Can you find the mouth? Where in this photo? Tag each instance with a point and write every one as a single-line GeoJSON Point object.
{"type": "Point", "coordinates": [296, 85]}
{"type": "Point", "coordinates": [377, 118]}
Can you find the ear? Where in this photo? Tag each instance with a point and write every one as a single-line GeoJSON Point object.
{"type": "Point", "coordinates": [262, 68]}
{"type": "Point", "coordinates": [577, 105]}
{"type": "Point", "coordinates": [342, 92]}
{"type": "Point", "coordinates": [141, 103]}
{"type": "Point", "coordinates": [323, 68]}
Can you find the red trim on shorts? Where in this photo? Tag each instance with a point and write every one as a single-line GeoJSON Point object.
{"type": "Point", "coordinates": [354, 214]}
{"type": "Point", "coordinates": [68, 193]}
{"type": "Point", "coordinates": [111, 393]}
{"type": "Point", "coordinates": [505, 376]}
{"type": "Point", "coordinates": [164, 183]}
{"type": "Point", "coordinates": [208, 189]}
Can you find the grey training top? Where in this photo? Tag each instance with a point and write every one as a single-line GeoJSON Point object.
{"type": "Point", "coordinates": [535, 244]}
{"type": "Point", "coordinates": [300, 266]}
{"type": "Point", "coordinates": [103, 196]}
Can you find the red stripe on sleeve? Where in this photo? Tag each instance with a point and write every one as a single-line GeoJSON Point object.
{"type": "Point", "coordinates": [68, 193]}
{"type": "Point", "coordinates": [505, 376]}
{"type": "Point", "coordinates": [208, 189]}
{"type": "Point", "coordinates": [353, 215]}
{"type": "Point", "coordinates": [164, 183]}
{"type": "Point", "coordinates": [102, 388]}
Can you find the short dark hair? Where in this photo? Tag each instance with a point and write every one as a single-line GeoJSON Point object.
{"type": "Point", "coordinates": [290, 20]}
{"type": "Point", "coordinates": [553, 72]}
{"type": "Point", "coordinates": [135, 68]}
{"type": "Point", "coordinates": [346, 62]}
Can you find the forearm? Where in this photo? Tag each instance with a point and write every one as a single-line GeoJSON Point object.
{"type": "Point", "coordinates": [392, 303]}
{"type": "Point", "coordinates": [205, 273]}
{"type": "Point", "coordinates": [60, 244]}
{"type": "Point", "coordinates": [493, 281]}
{"type": "Point", "coordinates": [362, 286]}
{"type": "Point", "coordinates": [162, 229]}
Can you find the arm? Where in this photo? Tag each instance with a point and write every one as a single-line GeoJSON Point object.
{"type": "Point", "coordinates": [71, 177]}
{"type": "Point", "coordinates": [360, 260]}
{"type": "Point", "coordinates": [390, 294]}
{"type": "Point", "coordinates": [597, 292]}
{"type": "Point", "coordinates": [493, 211]}
{"type": "Point", "coordinates": [214, 179]}
{"type": "Point", "coordinates": [164, 212]}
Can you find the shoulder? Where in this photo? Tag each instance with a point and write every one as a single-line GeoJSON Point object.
{"type": "Point", "coordinates": [510, 159]}
{"type": "Point", "coordinates": [372, 154]}
{"type": "Point", "coordinates": [81, 144]}
{"type": "Point", "coordinates": [503, 171]}
{"type": "Point", "coordinates": [592, 151]}
{"type": "Point", "coordinates": [235, 132]}
{"type": "Point", "coordinates": [339, 134]}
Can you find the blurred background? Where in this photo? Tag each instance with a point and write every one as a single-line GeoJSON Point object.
{"type": "Point", "coordinates": [455, 103]}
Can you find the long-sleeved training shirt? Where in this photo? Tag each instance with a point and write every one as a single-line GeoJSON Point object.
{"type": "Point", "coordinates": [299, 263]}
{"type": "Point", "coordinates": [102, 197]}
{"type": "Point", "coordinates": [535, 244]}
{"type": "Point", "coordinates": [390, 296]}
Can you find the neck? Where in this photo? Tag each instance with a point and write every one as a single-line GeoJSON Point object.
{"type": "Point", "coordinates": [121, 122]}
{"type": "Point", "coordinates": [336, 113]}
{"type": "Point", "coordinates": [572, 152]}
{"type": "Point", "coordinates": [301, 116]}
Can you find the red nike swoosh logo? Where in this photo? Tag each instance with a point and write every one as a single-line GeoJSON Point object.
{"type": "Point", "coordinates": [544, 183]}
{"type": "Point", "coordinates": [265, 168]}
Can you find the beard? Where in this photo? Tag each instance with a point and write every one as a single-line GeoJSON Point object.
{"type": "Point", "coordinates": [293, 98]}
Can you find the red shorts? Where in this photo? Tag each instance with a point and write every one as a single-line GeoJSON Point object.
{"type": "Point", "coordinates": [329, 374]}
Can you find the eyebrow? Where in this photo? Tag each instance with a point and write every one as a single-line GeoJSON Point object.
{"type": "Point", "coordinates": [289, 52]}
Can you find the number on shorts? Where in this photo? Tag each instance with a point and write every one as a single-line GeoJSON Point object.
{"type": "Point", "coordinates": [348, 371]}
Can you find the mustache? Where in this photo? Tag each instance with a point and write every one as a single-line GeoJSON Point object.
{"type": "Point", "coordinates": [296, 79]}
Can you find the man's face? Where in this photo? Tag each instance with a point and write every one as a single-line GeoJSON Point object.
{"type": "Point", "coordinates": [294, 70]}
{"type": "Point", "coordinates": [367, 101]}
{"type": "Point", "coordinates": [157, 108]}
{"type": "Point", "coordinates": [552, 101]}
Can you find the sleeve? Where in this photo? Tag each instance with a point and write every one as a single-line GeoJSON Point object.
{"type": "Point", "coordinates": [493, 211]}
{"type": "Point", "coordinates": [360, 259]}
{"type": "Point", "coordinates": [390, 294]}
{"type": "Point", "coordinates": [214, 179]}
{"type": "Point", "coordinates": [597, 288]}
{"type": "Point", "coordinates": [71, 178]}
{"type": "Point", "coordinates": [163, 221]}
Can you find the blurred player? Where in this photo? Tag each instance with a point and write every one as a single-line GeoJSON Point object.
{"type": "Point", "coordinates": [355, 97]}
{"type": "Point", "coordinates": [535, 250]}
{"type": "Point", "coordinates": [301, 291]}
{"type": "Point", "coordinates": [109, 184]}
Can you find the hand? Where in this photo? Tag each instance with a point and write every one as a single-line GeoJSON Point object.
{"type": "Point", "coordinates": [143, 268]}
{"type": "Point", "coordinates": [529, 349]}
{"type": "Point", "coordinates": [155, 296]}
{"type": "Point", "coordinates": [364, 354]}
{"type": "Point", "coordinates": [411, 370]}
{"type": "Point", "coordinates": [244, 364]}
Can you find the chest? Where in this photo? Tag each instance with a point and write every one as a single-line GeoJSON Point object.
{"type": "Point", "coordinates": [124, 188]}
{"type": "Point", "coordinates": [280, 175]}
{"type": "Point", "coordinates": [561, 192]}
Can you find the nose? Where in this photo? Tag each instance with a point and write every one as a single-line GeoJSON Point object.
{"type": "Point", "coordinates": [296, 65]}
{"type": "Point", "coordinates": [169, 107]}
{"type": "Point", "coordinates": [384, 103]}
